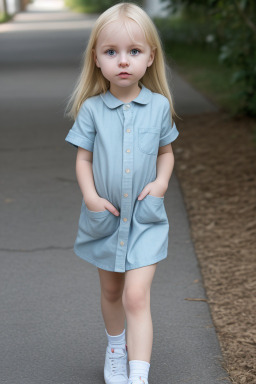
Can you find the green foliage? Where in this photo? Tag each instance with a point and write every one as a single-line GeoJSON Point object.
{"type": "Point", "coordinates": [200, 66]}
{"type": "Point", "coordinates": [91, 6]}
{"type": "Point", "coordinates": [232, 29]}
{"type": "Point", "coordinates": [4, 17]}
{"type": "Point", "coordinates": [186, 31]}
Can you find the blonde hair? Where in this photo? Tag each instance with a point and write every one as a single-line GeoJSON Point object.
{"type": "Point", "coordinates": [91, 82]}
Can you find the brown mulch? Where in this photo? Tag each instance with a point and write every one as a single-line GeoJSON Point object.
{"type": "Point", "coordinates": [215, 161]}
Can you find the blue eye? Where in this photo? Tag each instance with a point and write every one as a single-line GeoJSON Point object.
{"type": "Point", "coordinates": [135, 51]}
{"type": "Point", "coordinates": [111, 52]}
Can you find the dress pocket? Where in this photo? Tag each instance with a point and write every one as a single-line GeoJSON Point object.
{"type": "Point", "coordinates": [149, 140]}
{"type": "Point", "coordinates": [98, 224]}
{"type": "Point", "coordinates": [150, 210]}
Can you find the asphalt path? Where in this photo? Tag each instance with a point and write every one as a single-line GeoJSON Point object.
{"type": "Point", "coordinates": [51, 328]}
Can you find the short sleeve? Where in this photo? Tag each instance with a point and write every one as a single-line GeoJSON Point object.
{"type": "Point", "coordinates": [82, 133]}
{"type": "Point", "coordinates": [169, 132]}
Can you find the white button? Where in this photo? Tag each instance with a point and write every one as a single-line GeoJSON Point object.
{"type": "Point", "coordinates": [125, 219]}
{"type": "Point", "coordinates": [128, 150]}
{"type": "Point", "coordinates": [121, 243]}
{"type": "Point", "coordinates": [127, 170]}
{"type": "Point", "coordinates": [126, 195]}
{"type": "Point", "coordinates": [128, 130]}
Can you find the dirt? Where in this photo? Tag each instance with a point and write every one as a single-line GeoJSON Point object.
{"type": "Point", "coordinates": [215, 161]}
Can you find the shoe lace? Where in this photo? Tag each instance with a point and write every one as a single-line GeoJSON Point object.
{"type": "Point", "coordinates": [117, 361]}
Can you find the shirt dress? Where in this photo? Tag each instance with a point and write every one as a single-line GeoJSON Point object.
{"type": "Point", "coordinates": [124, 139]}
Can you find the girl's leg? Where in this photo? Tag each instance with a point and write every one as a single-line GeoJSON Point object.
{"type": "Point", "coordinates": [136, 301]}
{"type": "Point", "coordinates": [112, 285]}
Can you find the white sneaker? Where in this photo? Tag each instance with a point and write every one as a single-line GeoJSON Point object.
{"type": "Point", "coordinates": [139, 380]}
{"type": "Point", "coordinates": [115, 368]}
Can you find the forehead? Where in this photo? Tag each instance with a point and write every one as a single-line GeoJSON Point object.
{"type": "Point", "coordinates": [121, 31]}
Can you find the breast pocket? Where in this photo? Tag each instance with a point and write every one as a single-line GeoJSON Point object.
{"type": "Point", "coordinates": [98, 224]}
{"type": "Point", "coordinates": [151, 210]}
{"type": "Point", "coordinates": [149, 140]}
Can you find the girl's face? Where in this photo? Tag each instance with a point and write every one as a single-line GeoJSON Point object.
{"type": "Point", "coordinates": [122, 61]}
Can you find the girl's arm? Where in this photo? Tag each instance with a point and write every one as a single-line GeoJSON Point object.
{"type": "Point", "coordinates": [164, 166]}
{"type": "Point", "coordinates": [84, 174]}
{"type": "Point", "coordinates": [85, 180]}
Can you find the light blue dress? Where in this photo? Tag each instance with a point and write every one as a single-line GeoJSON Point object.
{"type": "Point", "coordinates": [124, 139]}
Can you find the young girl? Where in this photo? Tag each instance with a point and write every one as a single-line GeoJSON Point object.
{"type": "Point", "coordinates": [123, 130]}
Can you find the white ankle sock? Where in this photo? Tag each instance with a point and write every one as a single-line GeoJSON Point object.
{"type": "Point", "coordinates": [117, 341]}
{"type": "Point", "coordinates": [139, 368]}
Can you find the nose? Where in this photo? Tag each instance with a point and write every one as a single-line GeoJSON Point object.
{"type": "Point", "coordinates": [123, 61]}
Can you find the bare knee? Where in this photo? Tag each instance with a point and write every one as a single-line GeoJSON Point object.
{"type": "Point", "coordinates": [135, 298]}
{"type": "Point", "coordinates": [111, 285]}
{"type": "Point", "coordinates": [112, 292]}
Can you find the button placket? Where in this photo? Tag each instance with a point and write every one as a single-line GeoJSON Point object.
{"type": "Point", "coordinates": [127, 167]}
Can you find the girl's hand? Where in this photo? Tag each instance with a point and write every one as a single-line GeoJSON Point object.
{"type": "Point", "coordinates": [156, 188]}
{"type": "Point", "coordinates": [98, 204]}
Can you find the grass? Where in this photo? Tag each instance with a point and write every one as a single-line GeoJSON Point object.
{"type": "Point", "coordinates": [86, 9]}
{"type": "Point", "coordinates": [197, 61]}
{"type": "Point", "coordinates": [4, 17]}
{"type": "Point", "coordinates": [200, 67]}
{"type": "Point", "coordinates": [80, 8]}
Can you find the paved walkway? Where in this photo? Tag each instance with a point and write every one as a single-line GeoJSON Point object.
{"type": "Point", "coordinates": [51, 329]}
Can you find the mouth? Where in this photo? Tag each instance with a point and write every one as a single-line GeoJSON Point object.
{"type": "Point", "coordinates": [123, 75]}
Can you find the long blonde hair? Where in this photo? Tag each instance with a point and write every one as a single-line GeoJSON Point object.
{"type": "Point", "coordinates": [91, 82]}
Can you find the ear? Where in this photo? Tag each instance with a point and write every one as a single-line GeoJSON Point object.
{"type": "Point", "coordinates": [151, 57]}
{"type": "Point", "coordinates": [95, 58]}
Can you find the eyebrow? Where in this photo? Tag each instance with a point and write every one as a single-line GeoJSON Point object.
{"type": "Point", "coordinates": [131, 45]}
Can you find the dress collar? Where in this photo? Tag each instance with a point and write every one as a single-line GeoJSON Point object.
{"type": "Point", "coordinates": [112, 102]}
